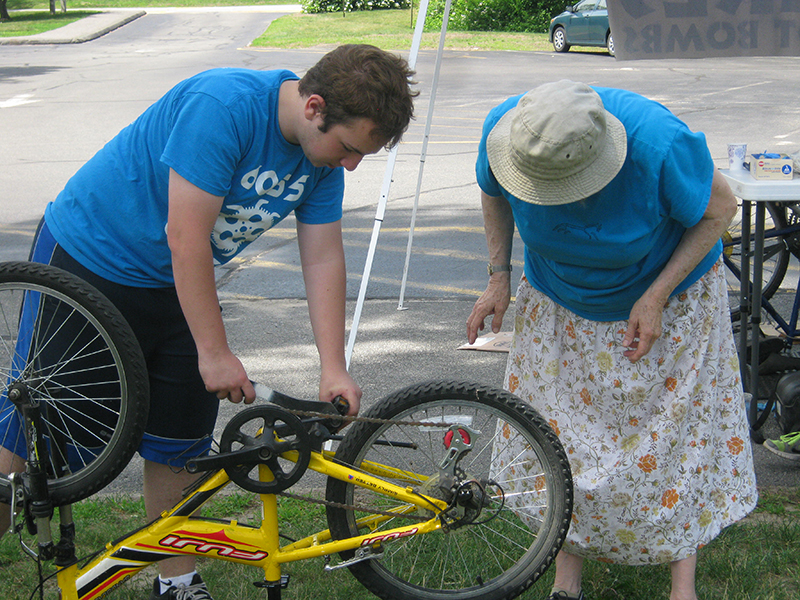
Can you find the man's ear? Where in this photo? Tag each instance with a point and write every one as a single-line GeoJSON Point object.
{"type": "Point", "coordinates": [314, 106]}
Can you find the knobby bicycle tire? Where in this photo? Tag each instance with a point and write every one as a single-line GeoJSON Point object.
{"type": "Point", "coordinates": [75, 353]}
{"type": "Point", "coordinates": [514, 539]}
{"type": "Point", "coordinates": [775, 258]}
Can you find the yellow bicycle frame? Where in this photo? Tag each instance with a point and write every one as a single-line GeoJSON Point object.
{"type": "Point", "coordinates": [176, 532]}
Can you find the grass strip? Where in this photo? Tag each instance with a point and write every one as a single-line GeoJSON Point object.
{"type": "Point", "coordinates": [35, 21]}
{"type": "Point", "coordinates": [757, 559]}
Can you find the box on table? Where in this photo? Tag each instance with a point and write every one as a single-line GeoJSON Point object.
{"type": "Point", "coordinates": [772, 166]}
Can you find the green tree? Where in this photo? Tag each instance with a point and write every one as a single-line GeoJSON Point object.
{"type": "Point", "coordinates": [532, 16]}
{"type": "Point", "coordinates": [324, 6]}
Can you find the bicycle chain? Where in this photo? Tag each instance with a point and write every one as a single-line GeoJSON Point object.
{"type": "Point", "coordinates": [356, 419]}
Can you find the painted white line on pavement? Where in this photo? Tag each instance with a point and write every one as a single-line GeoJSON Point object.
{"type": "Point", "coordinates": [17, 101]}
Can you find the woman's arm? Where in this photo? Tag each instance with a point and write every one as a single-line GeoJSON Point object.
{"type": "Point", "coordinates": [644, 325]}
{"type": "Point", "coordinates": [498, 222]}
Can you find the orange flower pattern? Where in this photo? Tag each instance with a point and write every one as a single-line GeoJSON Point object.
{"type": "Point", "coordinates": [669, 498]}
{"type": "Point", "coordinates": [658, 448]}
{"type": "Point", "coordinates": [647, 463]}
{"type": "Point", "coordinates": [735, 445]}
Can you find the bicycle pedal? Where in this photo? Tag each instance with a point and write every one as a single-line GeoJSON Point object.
{"type": "Point", "coordinates": [362, 554]}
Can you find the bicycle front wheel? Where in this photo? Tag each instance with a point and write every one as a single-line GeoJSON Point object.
{"type": "Point", "coordinates": [507, 480]}
{"type": "Point", "coordinates": [70, 350]}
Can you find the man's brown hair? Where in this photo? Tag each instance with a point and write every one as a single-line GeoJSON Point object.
{"type": "Point", "coordinates": [362, 81]}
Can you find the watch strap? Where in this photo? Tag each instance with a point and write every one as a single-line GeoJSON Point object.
{"type": "Point", "coordinates": [498, 269]}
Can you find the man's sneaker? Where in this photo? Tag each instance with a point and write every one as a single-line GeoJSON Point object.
{"type": "Point", "coordinates": [562, 595]}
{"type": "Point", "coordinates": [197, 590]}
{"type": "Point", "coordinates": [787, 446]}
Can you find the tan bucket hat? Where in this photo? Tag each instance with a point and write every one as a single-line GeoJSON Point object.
{"type": "Point", "coordinates": [558, 145]}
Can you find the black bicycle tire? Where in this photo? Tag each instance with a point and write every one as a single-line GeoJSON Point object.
{"type": "Point", "coordinates": [134, 400]}
{"type": "Point", "coordinates": [777, 248]}
{"type": "Point", "coordinates": [525, 570]}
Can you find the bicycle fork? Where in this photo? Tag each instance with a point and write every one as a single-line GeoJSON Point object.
{"type": "Point", "coordinates": [32, 488]}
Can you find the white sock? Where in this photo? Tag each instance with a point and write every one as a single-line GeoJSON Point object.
{"type": "Point", "coordinates": [185, 579]}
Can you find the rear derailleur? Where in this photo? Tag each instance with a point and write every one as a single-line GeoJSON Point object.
{"type": "Point", "coordinates": [467, 497]}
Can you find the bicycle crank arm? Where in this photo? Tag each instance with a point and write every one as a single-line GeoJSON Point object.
{"type": "Point", "coordinates": [217, 462]}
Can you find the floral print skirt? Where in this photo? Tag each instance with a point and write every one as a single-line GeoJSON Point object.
{"type": "Point", "coordinates": [659, 449]}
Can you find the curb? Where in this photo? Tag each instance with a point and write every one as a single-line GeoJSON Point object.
{"type": "Point", "coordinates": [84, 30]}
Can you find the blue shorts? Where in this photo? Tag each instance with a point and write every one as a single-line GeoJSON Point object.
{"type": "Point", "coordinates": [182, 412]}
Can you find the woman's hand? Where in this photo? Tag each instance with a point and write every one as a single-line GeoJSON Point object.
{"type": "Point", "coordinates": [494, 301]}
{"type": "Point", "coordinates": [644, 326]}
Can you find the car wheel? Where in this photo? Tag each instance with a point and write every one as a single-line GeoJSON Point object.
{"type": "Point", "coordinates": [610, 44]}
{"type": "Point", "coordinates": [560, 40]}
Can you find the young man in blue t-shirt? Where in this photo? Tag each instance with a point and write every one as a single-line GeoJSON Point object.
{"type": "Point", "coordinates": [221, 158]}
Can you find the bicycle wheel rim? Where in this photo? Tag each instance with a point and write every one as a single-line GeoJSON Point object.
{"type": "Point", "coordinates": [495, 559]}
{"type": "Point", "coordinates": [74, 354]}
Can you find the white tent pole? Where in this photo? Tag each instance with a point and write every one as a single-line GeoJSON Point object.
{"type": "Point", "coordinates": [387, 181]}
{"type": "Point", "coordinates": [418, 27]}
{"type": "Point", "coordinates": [424, 153]}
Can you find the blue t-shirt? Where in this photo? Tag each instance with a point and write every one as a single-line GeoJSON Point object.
{"type": "Point", "coordinates": [597, 256]}
{"type": "Point", "coordinates": [218, 130]}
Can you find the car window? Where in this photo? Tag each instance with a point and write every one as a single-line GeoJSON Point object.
{"type": "Point", "coordinates": [601, 5]}
{"type": "Point", "coordinates": [585, 5]}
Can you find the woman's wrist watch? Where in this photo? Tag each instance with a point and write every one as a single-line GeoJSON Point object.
{"type": "Point", "coordinates": [498, 269]}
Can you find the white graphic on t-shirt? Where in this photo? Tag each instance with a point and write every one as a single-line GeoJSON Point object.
{"type": "Point", "coordinates": [267, 182]}
{"type": "Point", "coordinates": [238, 225]}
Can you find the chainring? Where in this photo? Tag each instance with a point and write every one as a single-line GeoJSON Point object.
{"type": "Point", "coordinates": [264, 434]}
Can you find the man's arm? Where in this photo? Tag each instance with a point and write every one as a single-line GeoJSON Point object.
{"type": "Point", "coordinates": [322, 258]}
{"type": "Point", "coordinates": [498, 222]}
{"type": "Point", "coordinates": [192, 214]}
{"type": "Point", "coordinates": [644, 325]}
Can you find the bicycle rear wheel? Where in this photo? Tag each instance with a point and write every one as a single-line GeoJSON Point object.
{"type": "Point", "coordinates": [526, 493]}
{"type": "Point", "coordinates": [72, 351]}
{"type": "Point", "coordinates": [776, 254]}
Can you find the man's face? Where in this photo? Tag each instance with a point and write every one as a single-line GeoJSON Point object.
{"type": "Point", "coordinates": [343, 145]}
